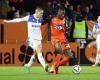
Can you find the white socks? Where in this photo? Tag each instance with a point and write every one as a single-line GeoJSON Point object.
{"type": "Point", "coordinates": [31, 60]}
{"type": "Point", "coordinates": [41, 59]}
{"type": "Point", "coordinates": [97, 59]}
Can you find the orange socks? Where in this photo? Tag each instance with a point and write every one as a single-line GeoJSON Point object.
{"type": "Point", "coordinates": [56, 61]}
{"type": "Point", "coordinates": [64, 61]}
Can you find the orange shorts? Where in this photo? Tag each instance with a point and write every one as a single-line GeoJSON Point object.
{"type": "Point", "coordinates": [63, 43]}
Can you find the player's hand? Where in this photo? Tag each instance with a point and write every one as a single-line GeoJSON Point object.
{"type": "Point", "coordinates": [64, 20]}
{"type": "Point", "coordinates": [7, 21]}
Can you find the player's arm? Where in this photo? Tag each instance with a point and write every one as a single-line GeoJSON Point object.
{"type": "Point", "coordinates": [17, 20]}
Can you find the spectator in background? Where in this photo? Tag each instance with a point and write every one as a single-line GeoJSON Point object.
{"type": "Point", "coordinates": [71, 18]}
{"type": "Point", "coordinates": [93, 10]}
{"type": "Point", "coordinates": [96, 4]}
{"type": "Point", "coordinates": [87, 14]}
{"type": "Point", "coordinates": [29, 6]}
{"type": "Point", "coordinates": [11, 13]}
{"type": "Point", "coordinates": [1, 2]}
{"type": "Point", "coordinates": [48, 12]}
{"type": "Point", "coordinates": [17, 14]}
{"type": "Point", "coordinates": [67, 11]}
{"type": "Point", "coordinates": [4, 8]}
{"type": "Point", "coordinates": [80, 30]}
{"type": "Point", "coordinates": [75, 3]}
{"type": "Point", "coordinates": [72, 12]}
{"type": "Point", "coordinates": [56, 5]}
{"type": "Point", "coordinates": [0, 8]}
{"type": "Point", "coordinates": [24, 13]}
{"type": "Point", "coordinates": [78, 9]}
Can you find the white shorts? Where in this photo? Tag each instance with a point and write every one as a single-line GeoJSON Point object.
{"type": "Point", "coordinates": [35, 44]}
{"type": "Point", "coordinates": [98, 44]}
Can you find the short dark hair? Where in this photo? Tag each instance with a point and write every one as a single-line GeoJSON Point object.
{"type": "Point", "coordinates": [61, 8]}
{"type": "Point", "coordinates": [38, 8]}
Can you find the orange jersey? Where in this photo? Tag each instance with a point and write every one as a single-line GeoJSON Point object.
{"type": "Point", "coordinates": [58, 28]}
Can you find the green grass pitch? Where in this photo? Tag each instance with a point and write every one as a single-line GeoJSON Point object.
{"type": "Point", "coordinates": [38, 73]}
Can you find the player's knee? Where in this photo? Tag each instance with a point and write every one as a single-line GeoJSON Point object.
{"type": "Point", "coordinates": [58, 51]}
{"type": "Point", "coordinates": [38, 49]}
{"type": "Point", "coordinates": [57, 46]}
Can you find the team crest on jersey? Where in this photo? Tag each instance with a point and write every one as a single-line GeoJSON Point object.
{"type": "Point", "coordinates": [97, 26]}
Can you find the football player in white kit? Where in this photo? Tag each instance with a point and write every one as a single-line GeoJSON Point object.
{"type": "Point", "coordinates": [96, 32]}
{"type": "Point", "coordinates": [34, 36]}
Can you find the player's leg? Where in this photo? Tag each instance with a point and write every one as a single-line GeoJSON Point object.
{"type": "Point", "coordinates": [58, 50]}
{"type": "Point", "coordinates": [98, 53]}
{"type": "Point", "coordinates": [54, 67]}
{"type": "Point", "coordinates": [64, 61]}
{"type": "Point", "coordinates": [38, 49]}
{"type": "Point", "coordinates": [97, 58]}
{"type": "Point", "coordinates": [66, 51]}
{"type": "Point", "coordinates": [32, 59]}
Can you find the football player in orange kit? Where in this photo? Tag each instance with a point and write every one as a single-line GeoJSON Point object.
{"type": "Point", "coordinates": [59, 41]}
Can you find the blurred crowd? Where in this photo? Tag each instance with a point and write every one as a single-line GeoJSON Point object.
{"type": "Point", "coordinates": [89, 9]}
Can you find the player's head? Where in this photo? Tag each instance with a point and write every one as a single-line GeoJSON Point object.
{"type": "Point", "coordinates": [98, 19]}
{"type": "Point", "coordinates": [61, 12]}
{"type": "Point", "coordinates": [39, 12]}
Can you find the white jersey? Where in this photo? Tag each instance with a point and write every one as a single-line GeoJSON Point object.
{"type": "Point", "coordinates": [34, 30]}
{"type": "Point", "coordinates": [34, 24]}
{"type": "Point", "coordinates": [96, 29]}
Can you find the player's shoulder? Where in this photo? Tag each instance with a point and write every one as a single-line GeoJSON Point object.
{"type": "Point", "coordinates": [54, 19]}
{"type": "Point", "coordinates": [31, 16]}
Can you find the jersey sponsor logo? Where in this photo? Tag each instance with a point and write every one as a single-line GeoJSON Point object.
{"type": "Point", "coordinates": [59, 27]}
{"type": "Point", "coordinates": [35, 26]}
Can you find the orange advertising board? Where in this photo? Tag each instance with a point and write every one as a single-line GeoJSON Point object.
{"type": "Point", "coordinates": [17, 32]}
{"type": "Point", "coordinates": [10, 54]}
{"type": "Point", "coordinates": [90, 51]}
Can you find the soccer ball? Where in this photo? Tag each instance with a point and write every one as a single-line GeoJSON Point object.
{"type": "Point", "coordinates": [76, 69]}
